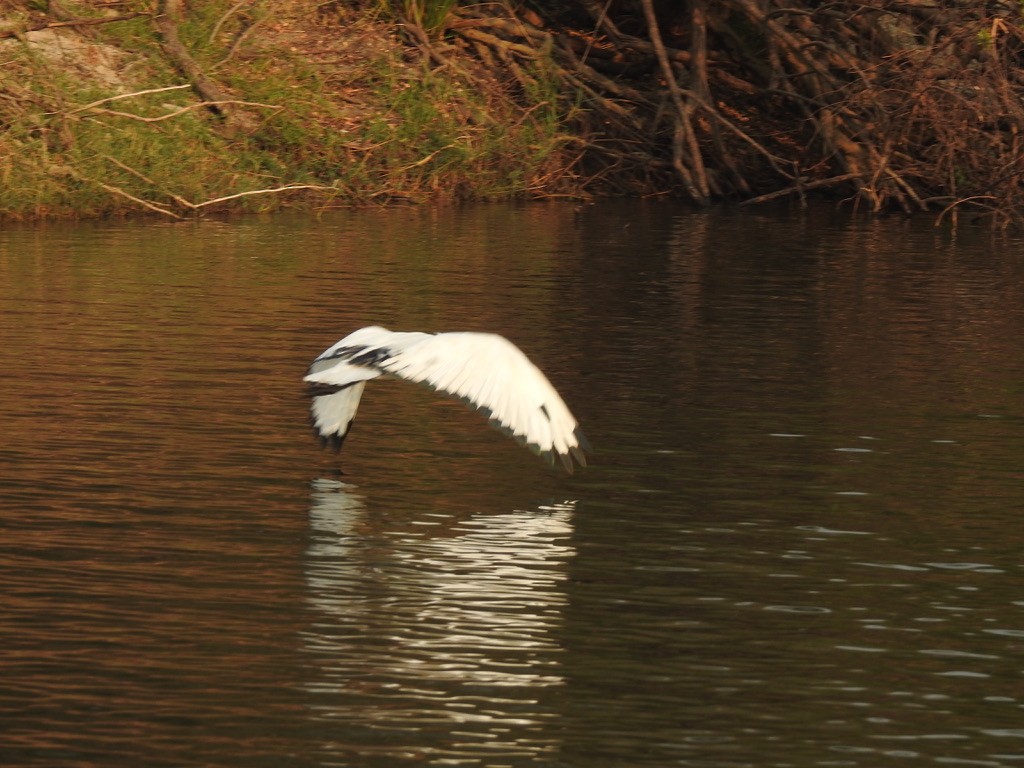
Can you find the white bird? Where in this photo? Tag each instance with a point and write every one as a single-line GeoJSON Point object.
{"type": "Point", "coordinates": [486, 371]}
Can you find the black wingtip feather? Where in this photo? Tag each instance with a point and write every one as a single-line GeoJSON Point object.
{"type": "Point", "coordinates": [566, 462]}
{"type": "Point", "coordinates": [582, 440]}
{"type": "Point", "coordinates": [335, 440]}
{"type": "Point", "coordinates": [577, 454]}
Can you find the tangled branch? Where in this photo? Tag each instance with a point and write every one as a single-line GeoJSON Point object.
{"type": "Point", "coordinates": [890, 105]}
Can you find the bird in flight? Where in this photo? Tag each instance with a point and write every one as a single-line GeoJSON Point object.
{"type": "Point", "coordinates": [486, 371]}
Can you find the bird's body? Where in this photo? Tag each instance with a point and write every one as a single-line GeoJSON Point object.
{"type": "Point", "coordinates": [486, 371]}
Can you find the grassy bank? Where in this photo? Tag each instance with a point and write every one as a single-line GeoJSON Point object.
{"type": "Point", "coordinates": [128, 106]}
{"type": "Point", "coordinates": [321, 105]}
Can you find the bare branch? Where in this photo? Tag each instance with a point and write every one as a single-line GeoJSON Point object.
{"type": "Point", "coordinates": [183, 110]}
{"type": "Point", "coordinates": [288, 188]}
{"type": "Point", "coordinates": [128, 96]}
{"type": "Point", "coordinates": [227, 14]}
{"type": "Point", "coordinates": [176, 198]}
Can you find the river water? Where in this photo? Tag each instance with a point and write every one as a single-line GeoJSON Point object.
{"type": "Point", "coordinates": [799, 542]}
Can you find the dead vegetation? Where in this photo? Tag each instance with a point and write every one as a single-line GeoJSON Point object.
{"type": "Point", "coordinates": [911, 105]}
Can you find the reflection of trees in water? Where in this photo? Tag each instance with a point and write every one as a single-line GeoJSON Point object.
{"type": "Point", "coordinates": [435, 644]}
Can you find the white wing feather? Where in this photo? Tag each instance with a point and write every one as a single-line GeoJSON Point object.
{"type": "Point", "coordinates": [332, 414]}
{"type": "Point", "coordinates": [485, 370]}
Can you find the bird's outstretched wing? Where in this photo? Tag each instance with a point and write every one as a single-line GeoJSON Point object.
{"type": "Point", "coordinates": [486, 371]}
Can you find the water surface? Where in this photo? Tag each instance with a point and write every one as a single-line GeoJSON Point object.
{"type": "Point", "coordinates": [798, 542]}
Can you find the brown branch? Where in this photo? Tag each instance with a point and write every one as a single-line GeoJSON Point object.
{"type": "Point", "coordinates": [772, 159]}
{"type": "Point", "coordinates": [496, 42]}
{"type": "Point", "coordinates": [800, 188]}
{"type": "Point", "coordinates": [208, 90]}
{"type": "Point", "coordinates": [693, 177]}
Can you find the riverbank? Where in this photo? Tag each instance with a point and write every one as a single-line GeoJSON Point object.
{"type": "Point", "coordinates": [278, 106]}
{"type": "Point", "coordinates": [131, 107]}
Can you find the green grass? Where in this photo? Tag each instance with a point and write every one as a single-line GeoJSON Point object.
{"type": "Point", "coordinates": [412, 133]}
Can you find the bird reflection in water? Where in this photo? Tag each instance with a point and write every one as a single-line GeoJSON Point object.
{"type": "Point", "coordinates": [436, 645]}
